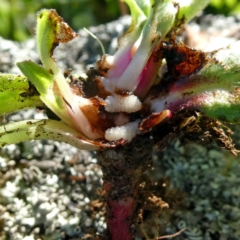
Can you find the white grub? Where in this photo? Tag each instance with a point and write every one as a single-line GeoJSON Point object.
{"type": "Point", "coordinates": [126, 132]}
{"type": "Point", "coordinates": [119, 103]}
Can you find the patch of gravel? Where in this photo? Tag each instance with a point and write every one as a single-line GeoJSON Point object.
{"type": "Point", "coordinates": [47, 187]}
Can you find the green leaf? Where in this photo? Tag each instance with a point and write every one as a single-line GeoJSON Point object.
{"type": "Point", "coordinates": [214, 89]}
{"type": "Point", "coordinates": [37, 75]}
{"type": "Point", "coordinates": [16, 94]}
{"type": "Point", "coordinates": [44, 83]}
{"type": "Point", "coordinates": [12, 82]}
{"type": "Point", "coordinates": [43, 129]}
{"type": "Point", "coordinates": [58, 97]}
{"type": "Point", "coordinates": [222, 71]}
{"type": "Point", "coordinates": [139, 9]}
{"type": "Point", "coordinates": [189, 9]}
{"type": "Point", "coordinates": [145, 6]}
{"type": "Point", "coordinates": [226, 107]}
{"type": "Point", "coordinates": [51, 30]}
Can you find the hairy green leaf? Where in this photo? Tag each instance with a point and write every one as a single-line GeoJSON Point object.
{"type": "Point", "coordinates": [16, 94]}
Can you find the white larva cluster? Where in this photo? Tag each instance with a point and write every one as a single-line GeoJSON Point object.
{"type": "Point", "coordinates": [119, 103]}
{"type": "Point", "coordinates": [126, 132]}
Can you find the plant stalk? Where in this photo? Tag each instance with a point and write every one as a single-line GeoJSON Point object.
{"type": "Point", "coordinates": [123, 170]}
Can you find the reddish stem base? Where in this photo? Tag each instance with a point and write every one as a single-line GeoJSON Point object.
{"type": "Point", "coordinates": [119, 220]}
{"type": "Point", "coordinates": [122, 174]}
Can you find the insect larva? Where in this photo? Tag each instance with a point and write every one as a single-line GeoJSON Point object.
{"type": "Point", "coordinates": [126, 132]}
{"type": "Point", "coordinates": [119, 103]}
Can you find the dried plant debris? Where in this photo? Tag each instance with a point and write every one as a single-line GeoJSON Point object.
{"type": "Point", "coordinates": [182, 61]}
{"type": "Point", "coordinates": [191, 126]}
